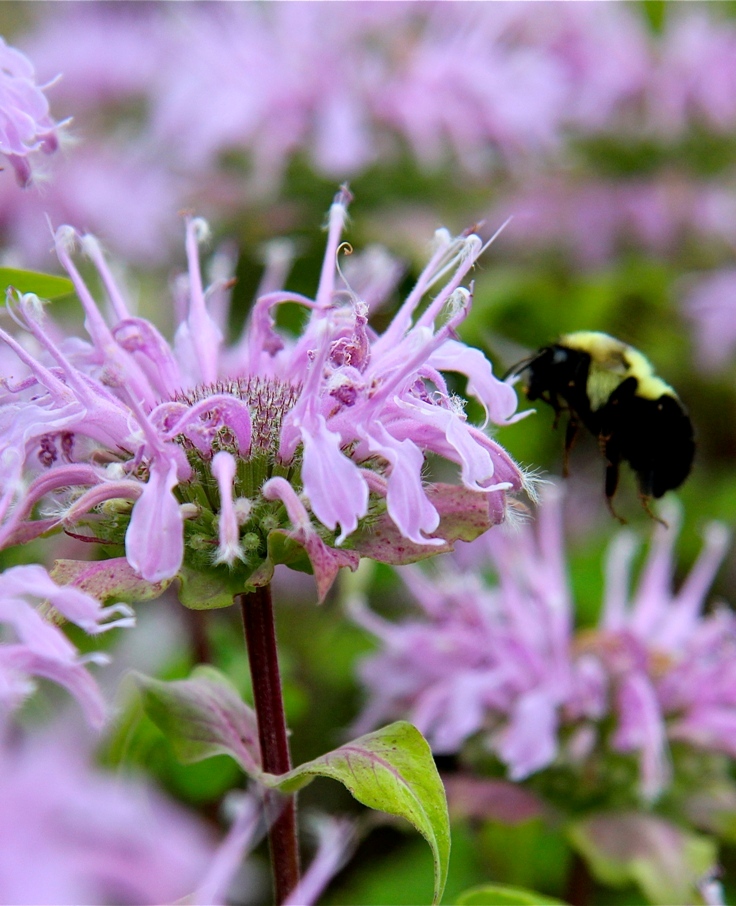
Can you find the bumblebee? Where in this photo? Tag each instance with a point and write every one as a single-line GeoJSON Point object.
{"type": "Point", "coordinates": [611, 389]}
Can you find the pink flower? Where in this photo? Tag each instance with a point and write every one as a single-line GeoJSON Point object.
{"type": "Point", "coordinates": [346, 85]}
{"type": "Point", "coordinates": [75, 834]}
{"type": "Point", "coordinates": [710, 304]}
{"type": "Point", "coordinates": [502, 659]}
{"type": "Point", "coordinates": [25, 124]}
{"type": "Point", "coordinates": [594, 219]}
{"type": "Point", "coordinates": [118, 191]}
{"type": "Point", "coordinates": [191, 456]}
{"type": "Point", "coordinates": [37, 646]}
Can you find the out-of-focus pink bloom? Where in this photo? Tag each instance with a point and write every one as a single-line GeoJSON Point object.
{"type": "Point", "coordinates": [26, 126]}
{"type": "Point", "coordinates": [346, 84]}
{"type": "Point", "coordinates": [312, 434]}
{"type": "Point", "coordinates": [76, 834]}
{"type": "Point", "coordinates": [73, 834]}
{"type": "Point", "coordinates": [695, 80]}
{"type": "Point", "coordinates": [503, 659]}
{"type": "Point", "coordinates": [593, 219]}
{"type": "Point", "coordinates": [118, 52]}
{"type": "Point", "coordinates": [343, 86]}
{"type": "Point", "coordinates": [36, 647]}
{"type": "Point", "coordinates": [710, 304]}
{"type": "Point", "coordinates": [117, 191]}
{"type": "Point", "coordinates": [336, 841]}
{"type": "Point", "coordinates": [494, 658]}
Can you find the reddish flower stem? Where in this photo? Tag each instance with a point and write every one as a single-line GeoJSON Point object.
{"type": "Point", "coordinates": [260, 639]}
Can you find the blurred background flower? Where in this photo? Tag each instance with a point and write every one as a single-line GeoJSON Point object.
{"type": "Point", "coordinates": [25, 124]}
{"type": "Point", "coordinates": [627, 717]}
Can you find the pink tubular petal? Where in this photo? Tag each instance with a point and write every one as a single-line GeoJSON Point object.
{"type": "Point", "coordinates": [93, 251]}
{"type": "Point", "coordinates": [618, 579]}
{"type": "Point", "coordinates": [46, 378]}
{"type": "Point", "coordinates": [710, 727]}
{"type": "Point", "coordinates": [74, 604]}
{"type": "Point", "coordinates": [62, 477]}
{"type": "Point", "coordinates": [337, 217]}
{"type": "Point", "coordinates": [154, 543]}
{"type": "Point", "coordinates": [109, 490]}
{"type": "Point", "coordinates": [72, 676]}
{"type": "Point", "coordinates": [204, 335]}
{"type": "Point", "coordinates": [241, 837]}
{"type": "Point", "coordinates": [402, 320]}
{"type": "Point", "coordinates": [201, 421]}
{"type": "Point", "coordinates": [140, 338]}
{"type": "Point", "coordinates": [337, 839]}
{"type": "Point", "coordinates": [123, 365]}
{"type": "Point", "coordinates": [497, 397]}
{"type": "Point", "coordinates": [529, 742]}
{"type": "Point", "coordinates": [42, 649]}
{"type": "Point", "coordinates": [223, 468]}
{"type": "Point", "coordinates": [260, 340]}
{"type": "Point", "coordinates": [280, 489]}
{"type": "Point", "coordinates": [641, 729]}
{"type": "Point", "coordinates": [475, 461]}
{"type": "Point", "coordinates": [337, 491]}
{"type": "Point", "coordinates": [326, 561]}
{"type": "Point", "coordinates": [684, 611]}
{"type": "Point", "coordinates": [407, 503]}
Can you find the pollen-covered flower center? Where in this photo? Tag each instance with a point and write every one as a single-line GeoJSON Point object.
{"type": "Point", "coordinates": [242, 417]}
{"type": "Point", "coordinates": [268, 402]}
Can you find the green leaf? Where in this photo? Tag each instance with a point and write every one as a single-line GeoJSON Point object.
{"type": "Point", "coordinates": [663, 859]}
{"type": "Point", "coordinates": [203, 591]}
{"type": "Point", "coordinates": [392, 770]}
{"type": "Point", "coordinates": [203, 716]}
{"type": "Point", "coordinates": [502, 895]}
{"type": "Point", "coordinates": [46, 286]}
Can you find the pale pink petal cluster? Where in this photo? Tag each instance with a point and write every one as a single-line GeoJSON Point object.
{"type": "Point", "coordinates": [26, 126]}
{"type": "Point", "coordinates": [710, 305]}
{"type": "Point", "coordinates": [75, 834]}
{"type": "Point", "coordinates": [34, 646]}
{"type": "Point", "coordinates": [491, 87]}
{"type": "Point", "coordinates": [123, 430]}
{"type": "Point", "coordinates": [116, 190]}
{"type": "Point", "coordinates": [595, 219]}
{"type": "Point", "coordinates": [502, 658]}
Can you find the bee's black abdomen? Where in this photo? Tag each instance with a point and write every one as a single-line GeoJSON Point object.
{"type": "Point", "coordinates": [655, 436]}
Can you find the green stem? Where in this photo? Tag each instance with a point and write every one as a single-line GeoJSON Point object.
{"type": "Point", "coordinates": [260, 639]}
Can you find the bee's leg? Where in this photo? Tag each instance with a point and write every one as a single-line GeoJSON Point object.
{"type": "Point", "coordinates": [645, 495]}
{"type": "Point", "coordinates": [554, 401]}
{"type": "Point", "coordinates": [611, 485]}
{"type": "Point", "coordinates": [645, 502]}
{"type": "Point", "coordinates": [571, 432]}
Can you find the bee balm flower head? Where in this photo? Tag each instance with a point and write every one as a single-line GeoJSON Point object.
{"type": "Point", "coordinates": [200, 459]}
